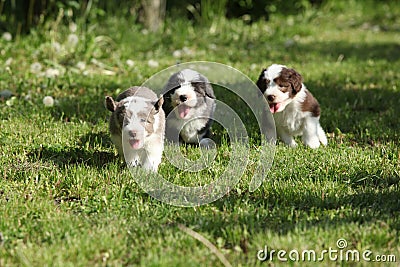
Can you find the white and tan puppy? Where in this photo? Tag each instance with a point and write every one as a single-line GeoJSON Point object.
{"type": "Point", "coordinates": [295, 110]}
{"type": "Point", "coordinates": [189, 105]}
{"type": "Point", "coordinates": [137, 126]}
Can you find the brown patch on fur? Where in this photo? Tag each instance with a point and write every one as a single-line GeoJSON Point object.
{"type": "Point", "coordinates": [137, 91]}
{"type": "Point", "coordinates": [289, 78]}
{"type": "Point", "coordinates": [311, 104]}
{"type": "Point", "coordinates": [119, 110]}
{"type": "Point", "coordinates": [117, 119]}
{"type": "Point", "coordinates": [110, 103]}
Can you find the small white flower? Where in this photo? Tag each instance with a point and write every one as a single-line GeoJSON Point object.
{"type": "Point", "coordinates": [9, 61]}
{"type": "Point", "coordinates": [177, 54]}
{"type": "Point", "coordinates": [7, 36]}
{"type": "Point", "coordinates": [94, 61]}
{"type": "Point", "coordinates": [48, 101]}
{"type": "Point", "coordinates": [130, 63]}
{"type": "Point", "coordinates": [73, 39]}
{"type": "Point", "coordinates": [73, 27]}
{"type": "Point", "coordinates": [36, 67]}
{"type": "Point", "coordinates": [28, 97]}
{"type": "Point", "coordinates": [253, 66]}
{"type": "Point", "coordinates": [81, 65]}
{"type": "Point", "coordinates": [152, 63]}
{"type": "Point", "coordinates": [52, 73]}
{"type": "Point", "coordinates": [56, 46]}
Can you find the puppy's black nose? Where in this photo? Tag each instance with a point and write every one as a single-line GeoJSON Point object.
{"type": "Point", "coordinates": [132, 134]}
{"type": "Point", "coordinates": [271, 98]}
{"type": "Point", "coordinates": [183, 98]}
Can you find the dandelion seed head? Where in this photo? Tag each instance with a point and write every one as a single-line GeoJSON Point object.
{"type": "Point", "coordinates": [36, 67]}
{"type": "Point", "coordinates": [7, 36]}
{"type": "Point", "coordinates": [48, 101]}
{"type": "Point", "coordinates": [81, 65]}
{"type": "Point", "coordinates": [73, 27]}
{"type": "Point", "coordinates": [130, 62]}
{"type": "Point", "coordinates": [9, 61]}
{"type": "Point", "coordinates": [52, 73]}
{"type": "Point", "coordinates": [72, 39]}
{"type": "Point", "coordinates": [56, 46]}
{"type": "Point", "coordinates": [177, 54]}
{"type": "Point", "coordinates": [152, 63]}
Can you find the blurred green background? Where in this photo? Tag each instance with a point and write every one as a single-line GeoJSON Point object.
{"type": "Point", "coordinates": [19, 16]}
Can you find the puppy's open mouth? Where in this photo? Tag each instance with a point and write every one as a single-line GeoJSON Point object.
{"type": "Point", "coordinates": [183, 110]}
{"type": "Point", "coordinates": [274, 107]}
{"type": "Point", "coordinates": [135, 143]}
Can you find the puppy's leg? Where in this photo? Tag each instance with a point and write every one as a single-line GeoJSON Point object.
{"type": "Point", "coordinates": [152, 157]}
{"type": "Point", "coordinates": [286, 137]}
{"type": "Point", "coordinates": [132, 159]}
{"type": "Point", "coordinates": [321, 135]}
{"type": "Point", "coordinates": [310, 132]}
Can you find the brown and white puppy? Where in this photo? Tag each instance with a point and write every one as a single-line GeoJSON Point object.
{"type": "Point", "coordinates": [295, 110]}
{"type": "Point", "coordinates": [189, 105]}
{"type": "Point", "coordinates": [137, 126]}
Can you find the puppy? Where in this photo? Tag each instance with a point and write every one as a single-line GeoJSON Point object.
{"type": "Point", "coordinates": [190, 97]}
{"type": "Point", "coordinates": [137, 126]}
{"type": "Point", "coordinates": [295, 110]}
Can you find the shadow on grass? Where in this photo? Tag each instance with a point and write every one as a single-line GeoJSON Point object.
{"type": "Point", "coordinates": [86, 152]}
{"type": "Point", "coordinates": [369, 115]}
{"type": "Point", "coordinates": [85, 103]}
{"type": "Point", "coordinates": [308, 213]}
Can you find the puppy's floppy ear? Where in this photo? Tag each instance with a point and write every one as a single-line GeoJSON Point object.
{"type": "Point", "coordinates": [209, 90]}
{"type": "Point", "coordinates": [158, 104]}
{"type": "Point", "coordinates": [261, 82]}
{"type": "Point", "coordinates": [110, 104]}
{"type": "Point", "coordinates": [295, 80]}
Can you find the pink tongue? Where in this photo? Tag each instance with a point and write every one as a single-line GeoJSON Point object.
{"type": "Point", "coordinates": [183, 110]}
{"type": "Point", "coordinates": [274, 107]}
{"type": "Point", "coordinates": [134, 143]}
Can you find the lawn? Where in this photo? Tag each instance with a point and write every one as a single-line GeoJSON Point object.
{"type": "Point", "coordinates": [67, 200]}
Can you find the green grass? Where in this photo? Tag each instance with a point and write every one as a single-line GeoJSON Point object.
{"type": "Point", "coordinates": [67, 200]}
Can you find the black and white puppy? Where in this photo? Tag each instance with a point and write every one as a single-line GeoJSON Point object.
{"type": "Point", "coordinates": [189, 106]}
{"type": "Point", "coordinates": [137, 126]}
{"type": "Point", "coordinates": [295, 110]}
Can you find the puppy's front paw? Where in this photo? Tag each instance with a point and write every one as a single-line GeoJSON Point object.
{"type": "Point", "coordinates": [292, 144]}
{"type": "Point", "coordinates": [207, 143]}
{"type": "Point", "coordinates": [312, 142]}
{"type": "Point", "coordinates": [133, 163]}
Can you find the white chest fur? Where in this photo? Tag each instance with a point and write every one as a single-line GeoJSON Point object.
{"type": "Point", "coordinates": [291, 119]}
{"type": "Point", "coordinates": [189, 128]}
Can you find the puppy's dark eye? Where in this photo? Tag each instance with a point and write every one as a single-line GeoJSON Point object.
{"type": "Point", "coordinates": [281, 83]}
{"type": "Point", "coordinates": [142, 120]}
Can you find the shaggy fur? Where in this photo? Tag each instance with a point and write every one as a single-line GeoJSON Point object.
{"type": "Point", "coordinates": [189, 105]}
{"type": "Point", "coordinates": [137, 126]}
{"type": "Point", "coordinates": [295, 110]}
